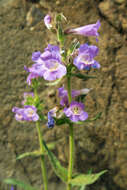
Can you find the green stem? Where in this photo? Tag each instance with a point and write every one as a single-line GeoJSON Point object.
{"type": "Point", "coordinates": [43, 168]}
{"type": "Point", "coordinates": [71, 154]}
{"type": "Point", "coordinates": [69, 87]}
{"type": "Point", "coordinates": [71, 137]}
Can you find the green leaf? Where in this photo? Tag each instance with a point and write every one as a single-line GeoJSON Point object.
{"type": "Point", "coordinates": [90, 120]}
{"type": "Point", "coordinates": [82, 187]}
{"type": "Point", "coordinates": [61, 121]}
{"type": "Point", "coordinates": [26, 154]}
{"type": "Point", "coordinates": [53, 83]}
{"type": "Point", "coordinates": [82, 179]}
{"type": "Point", "coordinates": [81, 76]}
{"type": "Point", "coordinates": [60, 171]}
{"type": "Point", "coordinates": [51, 146]}
{"type": "Point", "coordinates": [19, 184]}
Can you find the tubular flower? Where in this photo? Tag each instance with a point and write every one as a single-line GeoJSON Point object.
{"type": "Point", "coordinates": [88, 30]}
{"type": "Point", "coordinates": [85, 58]}
{"type": "Point", "coordinates": [47, 21]}
{"type": "Point", "coordinates": [76, 112]}
{"type": "Point", "coordinates": [51, 114]}
{"type": "Point", "coordinates": [52, 68]}
{"type": "Point", "coordinates": [64, 95]}
{"type": "Point", "coordinates": [48, 65]}
{"type": "Point", "coordinates": [28, 113]}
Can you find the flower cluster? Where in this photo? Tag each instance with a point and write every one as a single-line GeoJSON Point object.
{"type": "Point", "coordinates": [50, 67]}
{"type": "Point", "coordinates": [28, 113]}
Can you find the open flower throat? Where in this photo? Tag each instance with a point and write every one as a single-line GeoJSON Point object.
{"type": "Point", "coordinates": [76, 110]}
{"type": "Point", "coordinates": [52, 65]}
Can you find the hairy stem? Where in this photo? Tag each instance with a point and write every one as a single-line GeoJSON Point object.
{"type": "Point", "coordinates": [43, 167]}
{"type": "Point", "coordinates": [71, 138]}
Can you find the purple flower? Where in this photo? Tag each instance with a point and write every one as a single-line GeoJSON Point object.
{"type": "Point", "coordinates": [88, 30]}
{"type": "Point", "coordinates": [19, 113]}
{"type": "Point", "coordinates": [85, 60]}
{"type": "Point", "coordinates": [51, 114]}
{"type": "Point", "coordinates": [28, 113]}
{"type": "Point", "coordinates": [36, 55]}
{"type": "Point", "coordinates": [47, 21]}
{"type": "Point", "coordinates": [51, 122]}
{"type": "Point", "coordinates": [48, 65]}
{"type": "Point", "coordinates": [12, 188]}
{"type": "Point", "coordinates": [63, 94]}
{"type": "Point", "coordinates": [52, 68]}
{"type": "Point", "coordinates": [26, 95]}
{"type": "Point", "coordinates": [76, 112]}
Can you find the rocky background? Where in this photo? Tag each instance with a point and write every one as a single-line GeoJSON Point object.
{"type": "Point", "coordinates": [99, 145]}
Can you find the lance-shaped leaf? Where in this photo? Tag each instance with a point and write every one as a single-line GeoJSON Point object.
{"type": "Point", "coordinates": [81, 76]}
{"type": "Point", "coordinates": [26, 154]}
{"type": "Point", "coordinates": [36, 153]}
{"type": "Point", "coordinates": [60, 171]}
{"type": "Point", "coordinates": [90, 120]}
{"type": "Point", "coordinates": [53, 83]}
{"type": "Point", "coordinates": [19, 184]}
{"type": "Point", "coordinates": [82, 179]}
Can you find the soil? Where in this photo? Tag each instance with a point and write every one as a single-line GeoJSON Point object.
{"type": "Point", "coordinates": [99, 145]}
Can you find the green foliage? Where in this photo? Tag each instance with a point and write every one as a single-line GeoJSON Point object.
{"type": "Point", "coordinates": [81, 76]}
{"type": "Point", "coordinates": [61, 121]}
{"type": "Point", "coordinates": [82, 179]}
{"type": "Point", "coordinates": [19, 184]}
{"type": "Point", "coordinates": [26, 154]}
{"type": "Point", "coordinates": [59, 170]}
{"type": "Point", "coordinates": [51, 146]}
{"type": "Point", "coordinates": [82, 187]}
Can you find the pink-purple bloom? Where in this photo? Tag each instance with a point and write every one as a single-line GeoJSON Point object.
{"type": "Point", "coordinates": [85, 58]}
{"type": "Point", "coordinates": [63, 94]}
{"type": "Point", "coordinates": [28, 113]}
{"type": "Point", "coordinates": [47, 21]}
{"type": "Point", "coordinates": [76, 112]}
{"type": "Point", "coordinates": [88, 30]}
{"type": "Point", "coordinates": [48, 65]}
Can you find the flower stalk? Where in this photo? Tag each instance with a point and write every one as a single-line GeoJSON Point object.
{"type": "Point", "coordinates": [43, 168]}
{"type": "Point", "coordinates": [71, 137]}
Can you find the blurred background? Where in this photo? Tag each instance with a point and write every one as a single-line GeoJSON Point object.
{"type": "Point", "coordinates": [99, 145]}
